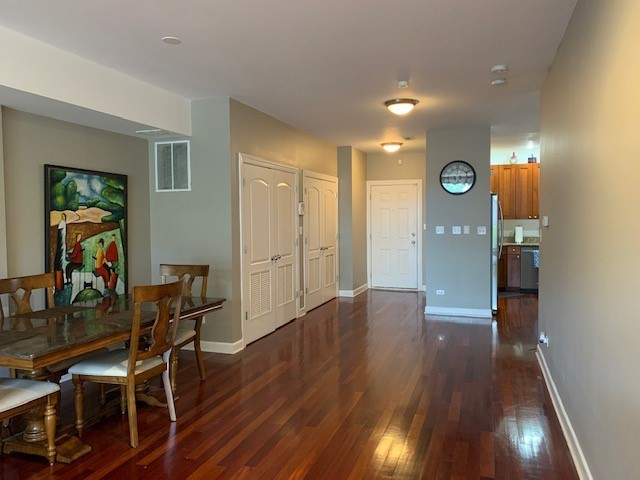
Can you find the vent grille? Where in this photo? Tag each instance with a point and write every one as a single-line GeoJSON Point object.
{"type": "Point", "coordinates": [173, 166]}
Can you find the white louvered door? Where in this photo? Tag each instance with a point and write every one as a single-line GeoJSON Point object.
{"type": "Point", "coordinates": [269, 251]}
{"type": "Point", "coordinates": [320, 237]}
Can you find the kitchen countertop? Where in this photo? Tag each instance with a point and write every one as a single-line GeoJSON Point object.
{"type": "Point", "coordinates": [526, 242]}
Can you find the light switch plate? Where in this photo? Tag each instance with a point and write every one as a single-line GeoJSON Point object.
{"type": "Point", "coordinates": [465, 229]}
{"type": "Point", "coordinates": [482, 230]}
{"type": "Point", "coordinates": [456, 230]}
{"type": "Point", "coordinates": [440, 230]}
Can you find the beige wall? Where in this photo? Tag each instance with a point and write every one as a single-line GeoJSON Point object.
{"type": "Point", "coordinates": [30, 141]}
{"type": "Point", "coordinates": [385, 166]}
{"type": "Point", "coordinates": [352, 206]}
{"type": "Point", "coordinates": [589, 254]}
{"type": "Point", "coordinates": [256, 133]}
{"type": "Point", "coordinates": [458, 264]}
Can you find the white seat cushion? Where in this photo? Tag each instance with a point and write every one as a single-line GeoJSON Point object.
{"type": "Point", "coordinates": [17, 391]}
{"type": "Point", "coordinates": [183, 334]}
{"type": "Point", "coordinates": [112, 364]}
{"type": "Point", "coordinates": [68, 362]}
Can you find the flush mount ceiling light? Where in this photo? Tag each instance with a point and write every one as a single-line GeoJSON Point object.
{"type": "Point", "coordinates": [171, 40]}
{"type": "Point", "coordinates": [499, 69]}
{"type": "Point", "coordinates": [499, 81]}
{"type": "Point", "coordinates": [391, 146]}
{"type": "Point", "coordinates": [401, 106]}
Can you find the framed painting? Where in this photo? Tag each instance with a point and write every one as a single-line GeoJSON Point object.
{"type": "Point", "coordinates": [85, 233]}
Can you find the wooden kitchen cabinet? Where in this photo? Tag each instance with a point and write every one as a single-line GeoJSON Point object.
{"type": "Point", "coordinates": [527, 180]}
{"type": "Point", "coordinates": [513, 268]}
{"type": "Point", "coordinates": [518, 188]}
{"type": "Point", "coordinates": [502, 271]}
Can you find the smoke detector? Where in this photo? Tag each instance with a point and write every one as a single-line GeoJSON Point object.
{"type": "Point", "coordinates": [499, 69]}
{"type": "Point", "coordinates": [499, 81]}
{"type": "Point", "coordinates": [403, 84]}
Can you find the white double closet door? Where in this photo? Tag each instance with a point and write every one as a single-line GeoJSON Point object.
{"type": "Point", "coordinates": [320, 238]}
{"type": "Point", "coordinates": [269, 231]}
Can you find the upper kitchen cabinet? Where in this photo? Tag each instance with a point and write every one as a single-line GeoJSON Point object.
{"type": "Point", "coordinates": [517, 187]}
{"type": "Point", "coordinates": [527, 176]}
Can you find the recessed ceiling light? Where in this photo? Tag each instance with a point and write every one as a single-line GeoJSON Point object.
{"type": "Point", "coordinates": [400, 106]}
{"type": "Point", "coordinates": [391, 146]}
{"type": "Point", "coordinates": [171, 40]}
{"type": "Point", "coordinates": [499, 69]}
{"type": "Point", "coordinates": [407, 138]}
{"type": "Point", "coordinates": [499, 81]}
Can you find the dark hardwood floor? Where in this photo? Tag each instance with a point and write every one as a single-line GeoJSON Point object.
{"type": "Point", "coordinates": [359, 388]}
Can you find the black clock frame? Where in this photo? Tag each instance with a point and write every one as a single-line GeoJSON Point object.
{"type": "Point", "coordinates": [467, 164]}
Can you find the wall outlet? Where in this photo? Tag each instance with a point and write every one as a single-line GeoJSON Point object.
{"type": "Point", "coordinates": [440, 230]}
{"type": "Point", "coordinates": [543, 339]}
{"type": "Point", "coordinates": [456, 230]}
{"type": "Point", "coordinates": [482, 230]}
{"type": "Point", "coordinates": [439, 292]}
{"type": "Point", "coordinates": [465, 229]}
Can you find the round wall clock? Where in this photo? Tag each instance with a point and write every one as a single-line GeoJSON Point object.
{"type": "Point", "coordinates": [457, 177]}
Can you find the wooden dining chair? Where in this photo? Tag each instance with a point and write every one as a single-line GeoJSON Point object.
{"type": "Point", "coordinates": [131, 366]}
{"type": "Point", "coordinates": [188, 331]}
{"type": "Point", "coordinates": [19, 290]}
{"type": "Point", "coordinates": [18, 396]}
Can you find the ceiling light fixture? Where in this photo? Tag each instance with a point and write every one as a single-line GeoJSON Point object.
{"type": "Point", "coordinates": [171, 40]}
{"type": "Point", "coordinates": [391, 146]}
{"type": "Point", "coordinates": [499, 81]}
{"type": "Point", "coordinates": [499, 69]}
{"type": "Point", "coordinates": [530, 145]}
{"type": "Point", "coordinates": [401, 106]}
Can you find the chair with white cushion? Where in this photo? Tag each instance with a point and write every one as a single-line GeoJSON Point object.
{"type": "Point", "coordinates": [18, 396]}
{"type": "Point", "coordinates": [187, 330]}
{"type": "Point", "coordinates": [132, 366]}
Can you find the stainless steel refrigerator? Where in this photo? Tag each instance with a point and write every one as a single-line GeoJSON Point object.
{"type": "Point", "coordinates": [497, 237]}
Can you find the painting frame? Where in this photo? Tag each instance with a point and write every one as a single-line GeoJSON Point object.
{"type": "Point", "coordinates": [86, 230]}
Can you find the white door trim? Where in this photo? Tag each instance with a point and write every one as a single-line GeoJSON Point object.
{"type": "Point", "coordinates": [253, 160]}
{"type": "Point", "coordinates": [418, 184]}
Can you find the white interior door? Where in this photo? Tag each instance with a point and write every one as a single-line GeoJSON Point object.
{"type": "Point", "coordinates": [269, 269]}
{"type": "Point", "coordinates": [320, 238]}
{"type": "Point", "coordinates": [258, 252]}
{"type": "Point", "coordinates": [394, 236]}
{"type": "Point", "coordinates": [330, 236]}
{"type": "Point", "coordinates": [284, 231]}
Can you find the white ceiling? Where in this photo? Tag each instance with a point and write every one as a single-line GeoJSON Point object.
{"type": "Point", "coordinates": [327, 66]}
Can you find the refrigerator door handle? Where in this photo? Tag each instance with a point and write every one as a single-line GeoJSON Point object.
{"type": "Point", "coordinates": [501, 237]}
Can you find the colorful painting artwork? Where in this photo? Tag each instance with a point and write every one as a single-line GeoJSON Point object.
{"type": "Point", "coordinates": [86, 227]}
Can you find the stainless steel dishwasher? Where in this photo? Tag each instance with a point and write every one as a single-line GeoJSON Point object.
{"type": "Point", "coordinates": [528, 269]}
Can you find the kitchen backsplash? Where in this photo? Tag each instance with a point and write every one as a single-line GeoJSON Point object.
{"type": "Point", "coordinates": [531, 228]}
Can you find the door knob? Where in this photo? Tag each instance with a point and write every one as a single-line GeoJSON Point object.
{"type": "Point", "coordinates": [413, 242]}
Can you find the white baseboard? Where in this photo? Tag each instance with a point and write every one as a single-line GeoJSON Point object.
{"type": "Point", "coordinates": [575, 449]}
{"type": "Point", "coordinates": [459, 312]}
{"type": "Point", "coordinates": [353, 293]}
{"type": "Point", "coordinates": [218, 347]}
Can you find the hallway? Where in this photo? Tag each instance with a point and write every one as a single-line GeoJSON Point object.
{"type": "Point", "coordinates": [358, 388]}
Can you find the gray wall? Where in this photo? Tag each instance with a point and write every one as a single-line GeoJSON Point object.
{"type": "Point", "coordinates": [256, 133]}
{"type": "Point", "coordinates": [30, 141]}
{"type": "Point", "coordinates": [589, 254]}
{"type": "Point", "coordinates": [352, 206]}
{"type": "Point", "coordinates": [384, 166]}
{"type": "Point", "coordinates": [195, 227]}
{"type": "Point", "coordinates": [458, 264]}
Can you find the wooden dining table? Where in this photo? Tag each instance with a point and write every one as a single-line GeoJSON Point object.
{"type": "Point", "coordinates": [31, 342]}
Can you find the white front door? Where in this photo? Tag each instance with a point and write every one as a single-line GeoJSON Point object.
{"type": "Point", "coordinates": [269, 251]}
{"type": "Point", "coordinates": [320, 238]}
{"type": "Point", "coordinates": [394, 236]}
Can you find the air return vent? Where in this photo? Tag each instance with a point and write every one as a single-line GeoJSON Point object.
{"type": "Point", "coordinates": [173, 166]}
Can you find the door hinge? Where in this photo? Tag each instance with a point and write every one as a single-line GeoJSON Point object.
{"type": "Point", "coordinates": [305, 190]}
{"type": "Point", "coordinates": [296, 189]}
{"type": "Point", "coordinates": [246, 315]}
{"type": "Point", "coordinates": [245, 249]}
{"type": "Point", "coordinates": [243, 182]}
{"type": "Point", "coordinates": [296, 242]}
{"type": "Point", "coordinates": [306, 290]}
{"type": "Point", "coordinates": [306, 240]}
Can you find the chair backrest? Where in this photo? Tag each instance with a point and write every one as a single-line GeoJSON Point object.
{"type": "Point", "coordinates": [20, 288]}
{"type": "Point", "coordinates": [167, 297]}
{"type": "Point", "coordinates": [191, 272]}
